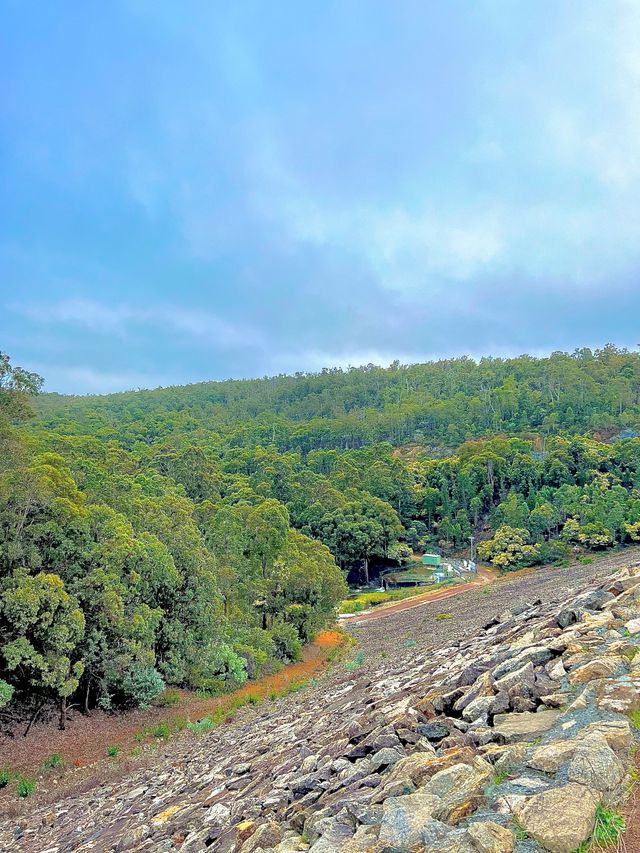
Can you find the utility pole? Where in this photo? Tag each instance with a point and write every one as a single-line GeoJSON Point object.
{"type": "Point", "coordinates": [472, 540]}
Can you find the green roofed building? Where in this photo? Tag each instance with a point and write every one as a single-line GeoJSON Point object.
{"type": "Point", "coordinates": [434, 560]}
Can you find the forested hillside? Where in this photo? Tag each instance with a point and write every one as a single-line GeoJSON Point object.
{"type": "Point", "coordinates": [198, 535]}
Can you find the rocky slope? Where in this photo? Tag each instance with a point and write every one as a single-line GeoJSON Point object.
{"type": "Point", "coordinates": [446, 736]}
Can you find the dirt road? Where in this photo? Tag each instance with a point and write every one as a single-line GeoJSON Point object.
{"type": "Point", "coordinates": [483, 577]}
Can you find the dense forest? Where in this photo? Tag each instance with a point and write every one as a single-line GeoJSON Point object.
{"type": "Point", "coordinates": [198, 535]}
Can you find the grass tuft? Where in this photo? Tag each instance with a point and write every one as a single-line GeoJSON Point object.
{"type": "Point", "coordinates": [54, 762]}
{"type": "Point", "coordinates": [113, 751]}
{"type": "Point", "coordinates": [25, 786]}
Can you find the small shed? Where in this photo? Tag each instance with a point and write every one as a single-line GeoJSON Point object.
{"type": "Point", "coordinates": [433, 560]}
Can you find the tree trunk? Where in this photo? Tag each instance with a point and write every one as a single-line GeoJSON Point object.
{"type": "Point", "coordinates": [33, 718]}
{"type": "Point", "coordinates": [63, 712]}
{"type": "Point", "coordinates": [366, 571]}
{"type": "Point", "coordinates": [86, 696]}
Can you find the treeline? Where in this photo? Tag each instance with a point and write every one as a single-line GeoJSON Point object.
{"type": "Point", "coordinates": [116, 580]}
{"type": "Point", "coordinates": [438, 404]}
{"type": "Point", "coordinates": [196, 536]}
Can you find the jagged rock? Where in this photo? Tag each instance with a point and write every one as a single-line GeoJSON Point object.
{"type": "Point", "coordinates": [434, 731]}
{"type": "Point", "coordinates": [459, 789]}
{"type": "Point", "coordinates": [490, 837]}
{"type": "Point", "coordinates": [267, 835]}
{"type": "Point", "coordinates": [525, 675]}
{"type": "Point", "coordinates": [560, 819]}
{"type": "Point", "coordinates": [551, 757]}
{"type": "Point", "coordinates": [617, 733]}
{"type": "Point", "coordinates": [596, 765]}
{"type": "Point", "coordinates": [633, 626]}
{"type": "Point", "coordinates": [515, 727]}
{"type": "Point", "coordinates": [622, 696]}
{"type": "Point", "coordinates": [403, 818]}
{"type": "Point", "coordinates": [602, 667]}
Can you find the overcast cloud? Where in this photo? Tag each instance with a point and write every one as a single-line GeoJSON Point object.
{"type": "Point", "coordinates": [206, 190]}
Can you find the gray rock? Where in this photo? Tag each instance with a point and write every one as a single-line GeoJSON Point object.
{"type": "Point", "coordinates": [560, 819]}
{"type": "Point", "coordinates": [596, 765]}
{"type": "Point", "coordinates": [404, 818]}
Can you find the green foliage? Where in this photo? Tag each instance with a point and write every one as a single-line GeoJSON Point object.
{"type": "Point", "coordinates": [5, 777]}
{"type": "Point", "coordinates": [607, 831]}
{"type": "Point", "coordinates": [168, 699]}
{"type": "Point", "coordinates": [509, 548]}
{"type": "Point", "coordinates": [161, 730]}
{"type": "Point", "coordinates": [140, 686]}
{"type": "Point", "coordinates": [6, 693]}
{"type": "Point", "coordinates": [634, 719]}
{"type": "Point", "coordinates": [356, 663]}
{"type": "Point", "coordinates": [443, 616]}
{"type": "Point", "coordinates": [25, 787]}
{"type": "Point", "coordinates": [54, 762]}
{"type": "Point", "coordinates": [200, 535]}
{"type": "Point", "coordinates": [113, 751]}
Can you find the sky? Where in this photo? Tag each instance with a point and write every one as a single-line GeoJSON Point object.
{"type": "Point", "coordinates": [209, 190]}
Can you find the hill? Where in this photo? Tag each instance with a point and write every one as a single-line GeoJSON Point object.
{"type": "Point", "coordinates": [199, 536]}
{"type": "Point", "coordinates": [465, 735]}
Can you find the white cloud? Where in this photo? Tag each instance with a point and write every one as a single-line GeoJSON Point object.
{"type": "Point", "coordinates": [122, 319]}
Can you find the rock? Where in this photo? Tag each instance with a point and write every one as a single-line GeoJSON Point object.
{"type": "Point", "coordinates": [633, 626]}
{"type": "Point", "coordinates": [404, 818]}
{"type": "Point", "coordinates": [459, 789]}
{"type": "Point", "coordinates": [602, 667]}
{"type": "Point", "coordinates": [515, 727]}
{"type": "Point", "coordinates": [386, 757]}
{"type": "Point", "coordinates": [560, 819]}
{"type": "Point", "coordinates": [535, 655]}
{"type": "Point", "coordinates": [434, 731]}
{"type": "Point", "coordinates": [266, 835]}
{"type": "Point", "coordinates": [478, 708]}
{"type": "Point", "coordinates": [523, 676]}
{"type": "Point", "coordinates": [622, 696]}
{"type": "Point", "coordinates": [481, 687]}
{"type": "Point", "coordinates": [490, 837]}
{"type": "Point", "coordinates": [617, 733]}
{"type": "Point", "coordinates": [596, 765]}
{"type": "Point", "coordinates": [551, 757]}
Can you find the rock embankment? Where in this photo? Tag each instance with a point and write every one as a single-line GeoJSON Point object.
{"type": "Point", "coordinates": [511, 739]}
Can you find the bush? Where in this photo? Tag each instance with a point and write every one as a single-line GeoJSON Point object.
{"type": "Point", "coordinates": [169, 699]}
{"type": "Point", "coordinates": [53, 762]}
{"type": "Point", "coordinates": [5, 777]}
{"type": "Point", "coordinates": [25, 787]}
{"type": "Point", "coordinates": [286, 643]}
{"type": "Point", "coordinates": [219, 668]}
{"type": "Point", "coordinates": [140, 686]}
{"type": "Point", "coordinates": [113, 751]}
{"type": "Point", "coordinates": [162, 730]}
{"type": "Point", "coordinates": [6, 693]}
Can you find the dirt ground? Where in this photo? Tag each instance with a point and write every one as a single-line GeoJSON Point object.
{"type": "Point", "coordinates": [86, 738]}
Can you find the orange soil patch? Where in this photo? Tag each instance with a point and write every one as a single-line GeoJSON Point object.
{"type": "Point", "coordinates": [86, 738]}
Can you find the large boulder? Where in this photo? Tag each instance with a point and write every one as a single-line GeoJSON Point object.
{"type": "Point", "coordinates": [596, 765]}
{"type": "Point", "coordinates": [404, 818]}
{"type": "Point", "coordinates": [490, 837]}
{"type": "Point", "coordinates": [560, 819]}
{"type": "Point", "coordinates": [524, 726]}
{"type": "Point", "coordinates": [459, 789]}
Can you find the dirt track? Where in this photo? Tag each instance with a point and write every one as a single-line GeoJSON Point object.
{"type": "Point", "coordinates": [484, 576]}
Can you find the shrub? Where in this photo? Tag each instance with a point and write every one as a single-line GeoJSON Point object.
{"type": "Point", "coordinates": [6, 693]}
{"type": "Point", "coordinates": [141, 685]}
{"type": "Point", "coordinates": [356, 663]}
{"type": "Point", "coordinates": [202, 726]}
{"type": "Point", "coordinates": [113, 751]}
{"type": "Point", "coordinates": [162, 730]}
{"type": "Point", "coordinates": [286, 643]}
{"type": "Point", "coordinates": [217, 669]}
{"type": "Point", "coordinates": [169, 699]}
{"type": "Point", "coordinates": [25, 786]}
{"type": "Point", "coordinates": [5, 777]}
{"type": "Point", "coordinates": [53, 762]}
{"type": "Point", "coordinates": [441, 616]}
{"type": "Point", "coordinates": [634, 719]}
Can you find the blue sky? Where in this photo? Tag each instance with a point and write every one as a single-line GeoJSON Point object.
{"type": "Point", "coordinates": [204, 190]}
